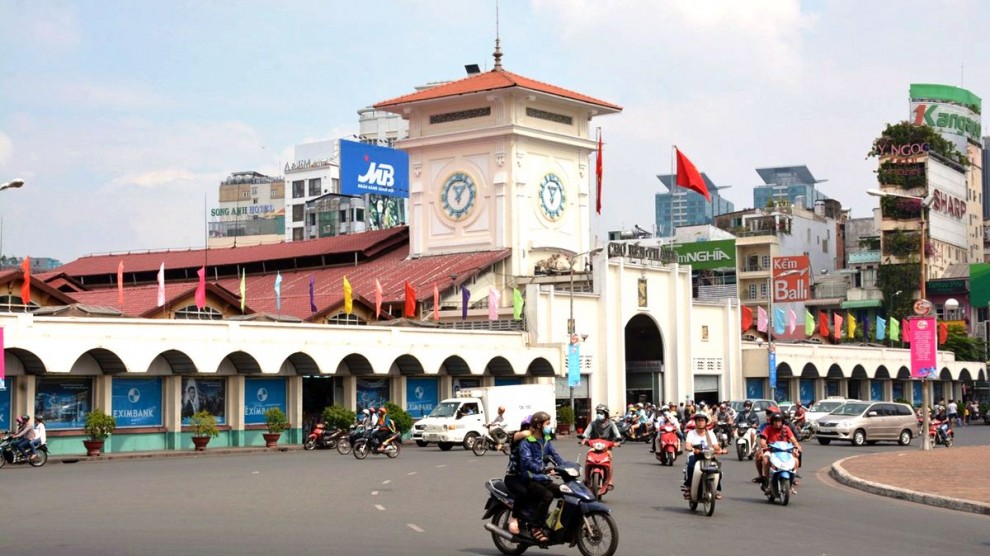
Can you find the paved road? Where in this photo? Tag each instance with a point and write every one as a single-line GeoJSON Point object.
{"type": "Point", "coordinates": [430, 502]}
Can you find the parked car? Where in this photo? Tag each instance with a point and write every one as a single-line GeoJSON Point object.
{"type": "Point", "coordinates": [786, 408]}
{"type": "Point", "coordinates": [868, 422]}
{"type": "Point", "coordinates": [823, 408]}
{"type": "Point", "coordinates": [759, 406]}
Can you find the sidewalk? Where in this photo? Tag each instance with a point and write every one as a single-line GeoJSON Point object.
{"type": "Point", "coordinates": [950, 478]}
{"type": "Point", "coordinates": [225, 451]}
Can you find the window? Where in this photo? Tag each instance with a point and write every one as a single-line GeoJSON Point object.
{"type": "Point", "coordinates": [298, 189]}
{"type": "Point", "coordinates": [64, 402]}
{"type": "Point", "coordinates": [335, 185]}
{"type": "Point", "coordinates": [824, 246]}
{"type": "Point", "coordinates": [345, 319]}
{"type": "Point", "coordinates": [297, 234]}
{"type": "Point", "coordinates": [297, 212]}
{"type": "Point", "coordinates": [763, 289]}
{"type": "Point", "coordinates": [343, 216]}
{"type": "Point", "coordinates": [765, 261]}
{"type": "Point", "coordinates": [359, 215]}
{"type": "Point", "coordinates": [312, 219]}
{"type": "Point", "coordinates": [752, 291]}
{"type": "Point", "coordinates": [14, 304]}
{"type": "Point", "coordinates": [191, 312]}
{"type": "Point", "coordinates": [315, 187]}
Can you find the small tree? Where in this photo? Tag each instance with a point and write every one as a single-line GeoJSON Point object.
{"type": "Point", "coordinates": [204, 423]}
{"type": "Point", "coordinates": [276, 421]}
{"type": "Point", "coordinates": [99, 425]}
{"type": "Point", "coordinates": [403, 422]}
{"type": "Point", "coordinates": [338, 417]}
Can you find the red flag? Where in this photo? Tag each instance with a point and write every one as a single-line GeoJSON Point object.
{"type": "Point", "coordinates": [905, 337]}
{"type": "Point", "coordinates": [688, 176]}
{"type": "Point", "coordinates": [747, 318]}
{"type": "Point", "coordinates": [598, 170]}
{"type": "Point", "coordinates": [943, 333]}
{"type": "Point", "coordinates": [26, 285]}
{"type": "Point", "coordinates": [378, 298]}
{"type": "Point", "coordinates": [436, 302]}
{"type": "Point", "coordinates": [838, 325]}
{"type": "Point", "coordinates": [823, 324]}
{"type": "Point", "coordinates": [120, 283]}
{"type": "Point", "coordinates": [410, 301]}
{"type": "Point", "coordinates": [201, 288]}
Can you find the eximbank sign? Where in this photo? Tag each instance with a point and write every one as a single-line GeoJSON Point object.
{"type": "Point", "coordinates": [953, 112]}
{"type": "Point", "coordinates": [705, 255]}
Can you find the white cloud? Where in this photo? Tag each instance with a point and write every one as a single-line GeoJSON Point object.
{"type": "Point", "coordinates": [50, 26]}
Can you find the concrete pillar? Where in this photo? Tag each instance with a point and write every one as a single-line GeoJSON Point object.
{"type": "Point", "coordinates": [350, 392]}
{"type": "Point", "coordinates": [235, 410]}
{"type": "Point", "coordinates": [294, 409]}
{"type": "Point", "coordinates": [172, 411]}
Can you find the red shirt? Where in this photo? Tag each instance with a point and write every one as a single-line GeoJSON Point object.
{"type": "Point", "coordinates": [773, 434]}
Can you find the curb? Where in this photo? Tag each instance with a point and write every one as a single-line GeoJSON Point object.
{"type": "Point", "coordinates": [174, 454]}
{"type": "Point", "coordinates": [838, 473]}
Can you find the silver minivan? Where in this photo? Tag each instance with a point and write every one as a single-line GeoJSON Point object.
{"type": "Point", "coordinates": [868, 422]}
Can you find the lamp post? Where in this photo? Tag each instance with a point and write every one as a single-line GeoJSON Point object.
{"type": "Point", "coordinates": [926, 202]}
{"type": "Point", "coordinates": [571, 326]}
{"type": "Point", "coordinates": [771, 348]}
{"type": "Point", "coordinates": [12, 184]}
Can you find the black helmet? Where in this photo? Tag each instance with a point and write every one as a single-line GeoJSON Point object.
{"type": "Point", "coordinates": [601, 408]}
{"type": "Point", "coordinates": [747, 404]}
{"type": "Point", "coordinates": [776, 417]}
{"type": "Point", "coordinates": [26, 418]}
{"type": "Point", "coordinates": [540, 417]}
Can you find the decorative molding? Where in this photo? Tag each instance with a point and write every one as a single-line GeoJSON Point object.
{"type": "Point", "coordinates": [418, 169]}
{"type": "Point", "coordinates": [499, 159]}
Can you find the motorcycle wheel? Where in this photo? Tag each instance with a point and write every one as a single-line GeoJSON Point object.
{"type": "Point", "coordinates": [693, 504]}
{"type": "Point", "coordinates": [344, 446]}
{"type": "Point", "coordinates": [332, 444]}
{"type": "Point", "coordinates": [3, 458]}
{"type": "Point", "coordinates": [480, 447]}
{"type": "Point", "coordinates": [469, 440]}
{"type": "Point", "coordinates": [668, 458]}
{"type": "Point", "coordinates": [740, 451]}
{"type": "Point", "coordinates": [596, 485]}
{"type": "Point", "coordinates": [393, 450]}
{"type": "Point", "coordinates": [600, 537]}
{"type": "Point", "coordinates": [309, 445]}
{"type": "Point", "coordinates": [784, 486]}
{"type": "Point", "coordinates": [361, 449]}
{"type": "Point", "coordinates": [41, 460]}
{"type": "Point", "coordinates": [948, 442]}
{"type": "Point", "coordinates": [505, 546]}
{"type": "Point", "coordinates": [708, 497]}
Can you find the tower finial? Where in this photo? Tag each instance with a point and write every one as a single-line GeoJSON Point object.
{"type": "Point", "coordinates": [498, 50]}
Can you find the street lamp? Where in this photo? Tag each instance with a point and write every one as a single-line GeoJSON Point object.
{"type": "Point", "coordinates": [926, 202]}
{"type": "Point", "coordinates": [12, 184]}
{"type": "Point", "coordinates": [571, 326]}
{"type": "Point", "coordinates": [771, 349]}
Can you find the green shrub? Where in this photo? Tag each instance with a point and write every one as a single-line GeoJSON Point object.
{"type": "Point", "coordinates": [204, 423]}
{"type": "Point", "coordinates": [565, 415]}
{"type": "Point", "coordinates": [339, 417]}
{"type": "Point", "coordinates": [403, 422]}
{"type": "Point", "coordinates": [99, 425]}
{"type": "Point", "coordinates": [276, 420]}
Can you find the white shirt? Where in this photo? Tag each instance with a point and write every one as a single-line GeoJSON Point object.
{"type": "Point", "coordinates": [696, 438]}
{"type": "Point", "coordinates": [41, 434]}
{"type": "Point", "coordinates": [952, 408]}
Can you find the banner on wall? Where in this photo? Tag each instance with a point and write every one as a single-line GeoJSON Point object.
{"type": "Point", "coordinates": [63, 402]}
{"type": "Point", "coordinates": [137, 402]}
{"type": "Point", "coordinates": [5, 410]}
{"type": "Point", "coordinates": [372, 393]}
{"type": "Point", "coordinates": [209, 394]}
{"type": "Point", "coordinates": [422, 395]}
{"type": "Point", "coordinates": [459, 384]}
{"type": "Point", "coordinates": [260, 395]}
{"type": "Point", "coordinates": [922, 335]}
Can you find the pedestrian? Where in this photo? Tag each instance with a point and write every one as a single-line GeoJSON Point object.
{"type": "Point", "coordinates": [952, 412]}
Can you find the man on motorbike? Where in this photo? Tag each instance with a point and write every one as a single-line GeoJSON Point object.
{"type": "Point", "coordinates": [497, 427]}
{"type": "Point", "coordinates": [24, 437]}
{"type": "Point", "coordinates": [603, 427]}
{"type": "Point", "coordinates": [776, 431]}
{"type": "Point", "coordinates": [385, 427]}
{"type": "Point", "coordinates": [639, 422]}
{"type": "Point", "coordinates": [800, 416]}
{"type": "Point", "coordinates": [527, 472]}
{"type": "Point", "coordinates": [698, 439]}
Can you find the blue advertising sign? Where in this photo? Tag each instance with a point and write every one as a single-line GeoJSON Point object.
{"type": "Point", "coordinates": [5, 410]}
{"type": "Point", "coordinates": [459, 384]}
{"type": "Point", "coordinates": [508, 381]}
{"type": "Point", "coordinates": [260, 395]}
{"type": "Point", "coordinates": [573, 365]}
{"type": "Point", "coordinates": [754, 388]}
{"type": "Point", "coordinates": [368, 168]}
{"type": "Point", "coordinates": [137, 402]}
{"type": "Point", "coordinates": [876, 390]}
{"type": "Point", "coordinates": [806, 391]}
{"type": "Point", "coordinates": [204, 394]}
{"type": "Point", "coordinates": [422, 395]}
{"type": "Point", "coordinates": [372, 393]}
{"type": "Point", "coordinates": [773, 368]}
{"type": "Point", "coordinates": [916, 394]}
{"type": "Point", "coordinates": [64, 402]}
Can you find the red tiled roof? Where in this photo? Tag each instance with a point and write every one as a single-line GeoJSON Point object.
{"type": "Point", "coordinates": [489, 81]}
{"type": "Point", "coordinates": [369, 243]}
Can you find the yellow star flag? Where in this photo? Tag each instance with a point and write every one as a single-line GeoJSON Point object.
{"type": "Point", "coordinates": [852, 325]}
{"type": "Point", "coordinates": [348, 297]}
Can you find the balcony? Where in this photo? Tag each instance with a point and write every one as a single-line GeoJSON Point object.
{"type": "Point", "coordinates": [864, 257]}
{"type": "Point", "coordinates": [863, 294]}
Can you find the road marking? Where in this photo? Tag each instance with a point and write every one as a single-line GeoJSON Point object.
{"type": "Point", "coordinates": [386, 481]}
{"type": "Point", "coordinates": [412, 472]}
{"type": "Point", "coordinates": [374, 493]}
{"type": "Point", "coordinates": [380, 507]}
{"type": "Point", "coordinates": [415, 527]}
{"type": "Point", "coordinates": [441, 466]}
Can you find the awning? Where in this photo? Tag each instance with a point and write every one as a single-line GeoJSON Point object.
{"type": "Point", "coordinates": [823, 301]}
{"type": "Point", "coordinates": [861, 303]}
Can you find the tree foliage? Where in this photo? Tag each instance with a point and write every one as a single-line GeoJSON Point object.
{"type": "Point", "coordinates": [963, 345]}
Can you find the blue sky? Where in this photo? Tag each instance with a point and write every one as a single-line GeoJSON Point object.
{"type": "Point", "coordinates": [123, 117]}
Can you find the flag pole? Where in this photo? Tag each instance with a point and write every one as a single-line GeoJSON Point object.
{"type": "Point", "coordinates": [673, 185]}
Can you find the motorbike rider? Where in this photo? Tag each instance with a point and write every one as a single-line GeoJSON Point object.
{"type": "Point", "coordinates": [385, 427]}
{"type": "Point", "coordinates": [639, 422]}
{"type": "Point", "coordinates": [699, 438]}
{"type": "Point", "coordinates": [496, 427]}
{"type": "Point", "coordinates": [527, 471]}
{"type": "Point", "coordinates": [40, 432]}
{"type": "Point", "coordinates": [603, 427]}
{"type": "Point", "coordinates": [724, 415]}
{"type": "Point", "coordinates": [800, 416]}
{"type": "Point", "coordinates": [513, 481]}
{"type": "Point", "coordinates": [776, 431]}
{"type": "Point", "coordinates": [24, 437]}
{"type": "Point", "coordinates": [748, 416]}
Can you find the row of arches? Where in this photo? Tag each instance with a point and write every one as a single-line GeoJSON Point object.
{"type": "Point", "coordinates": [810, 370]}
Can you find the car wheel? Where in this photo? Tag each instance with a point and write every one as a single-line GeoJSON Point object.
{"type": "Point", "coordinates": [859, 438]}
{"type": "Point", "coordinates": [445, 446]}
{"type": "Point", "coordinates": [824, 441]}
{"type": "Point", "coordinates": [469, 440]}
{"type": "Point", "coordinates": [422, 443]}
{"type": "Point", "coordinates": [905, 438]}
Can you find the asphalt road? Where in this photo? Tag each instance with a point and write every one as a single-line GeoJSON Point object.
{"type": "Point", "coordinates": [430, 502]}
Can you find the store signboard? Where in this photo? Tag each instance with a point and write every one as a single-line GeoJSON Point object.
{"type": "Point", "coordinates": [705, 255]}
{"type": "Point", "coordinates": [368, 168]}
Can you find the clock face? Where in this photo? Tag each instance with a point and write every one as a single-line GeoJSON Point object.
{"type": "Point", "coordinates": [458, 195]}
{"type": "Point", "coordinates": [552, 196]}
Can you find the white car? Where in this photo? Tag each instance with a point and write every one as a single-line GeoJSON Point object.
{"type": "Point", "coordinates": [823, 408]}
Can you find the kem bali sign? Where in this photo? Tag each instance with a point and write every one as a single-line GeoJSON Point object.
{"type": "Point", "coordinates": [791, 279]}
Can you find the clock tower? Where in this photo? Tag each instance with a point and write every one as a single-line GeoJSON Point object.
{"type": "Point", "coordinates": [499, 161]}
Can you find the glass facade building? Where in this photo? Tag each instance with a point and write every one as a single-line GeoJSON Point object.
{"type": "Point", "coordinates": [793, 184]}
{"type": "Point", "coordinates": [683, 207]}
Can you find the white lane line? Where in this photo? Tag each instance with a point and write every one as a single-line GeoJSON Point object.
{"type": "Point", "coordinates": [441, 466]}
{"type": "Point", "coordinates": [415, 527]}
{"type": "Point", "coordinates": [380, 507]}
{"type": "Point", "coordinates": [374, 493]}
{"type": "Point", "coordinates": [412, 472]}
{"type": "Point", "coordinates": [386, 482]}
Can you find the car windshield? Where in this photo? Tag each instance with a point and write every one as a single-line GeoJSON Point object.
{"type": "Point", "coordinates": [445, 409]}
{"type": "Point", "coordinates": [851, 409]}
{"type": "Point", "coordinates": [826, 407]}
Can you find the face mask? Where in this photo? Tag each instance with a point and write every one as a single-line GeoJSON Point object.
{"type": "Point", "coordinates": [547, 430]}
{"type": "Point", "coordinates": [600, 417]}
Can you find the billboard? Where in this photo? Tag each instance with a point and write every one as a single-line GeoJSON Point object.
{"type": "Point", "coordinates": [952, 111]}
{"type": "Point", "coordinates": [260, 395]}
{"type": "Point", "coordinates": [137, 402]}
{"type": "Point", "coordinates": [947, 220]}
{"type": "Point", "coordinates": [979, 284]}
{"type": "Point", "coordinates": [791, 279]}
{"type": "Point", "coordinates": [372, 169]}
{"type": "Point", "coordinates": [922, 333]}
{"type": "Point", "coordinates": [704, 255]}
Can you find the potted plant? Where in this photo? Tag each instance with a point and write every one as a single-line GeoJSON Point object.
{"type": "Point", "coordinates": [98, 426]}
{"type": "Point", "coordinates": [204, 426]}
{"type": "Point", "coordinates": [565, 418]}
{"type": "Point", "coordinates": [277, 422]}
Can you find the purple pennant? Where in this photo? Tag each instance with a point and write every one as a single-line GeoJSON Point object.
{"type": "Point", "coordinates": [465, 297]}
{"type": "Point", "coordinates": [312, 293]}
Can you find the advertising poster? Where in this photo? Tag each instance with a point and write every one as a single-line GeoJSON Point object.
{"type": "Point", "coordinates": [368, 168]}
{"type": "Point", "coordinates": [465, 384]}
{"type": "Point", "coordinates": [64, 402]}
{"type": "Point", "coordinates": [385, 212]}
{"type": "Point", "coordinates": [137, 402]}
{"type": "Point", "coordinates": [204, 394]}
{"type": "Point", "coordinates": [260, 395]}
{"type": "Point", "coordinates": [791, 279]}
{"type": "Point", "coordinates": [372, 393]}
{"type": "Point", "coordinates": [754, 388]}
{"type": "Point", "coordinates": [5, 410]}
{"type": "Point", "coordinates": [806, 395]}
{"type": "Point", "coordinates": [508, 381]}
{"type": "Point", "coordinates": [422, 395]}
{"type": "Point", "coordinates": [876, 390]}
{"type": "Point", "coordinates": [922, 335]}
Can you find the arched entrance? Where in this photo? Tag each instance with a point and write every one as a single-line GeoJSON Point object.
{"type": "Point", "coordinates": [644, 361]}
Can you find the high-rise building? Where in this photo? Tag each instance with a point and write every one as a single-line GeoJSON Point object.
{"type": "Point", "coordinates": [683, 207]}
{"type": "Point", "coordinates": [251, 210]}
{"type": "Point", "coordinates": [313, 173]}
{"type": "Point", "coordinates": [793, 184]}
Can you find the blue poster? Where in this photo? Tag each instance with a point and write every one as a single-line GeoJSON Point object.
{"type": "Point", "coordinates": [204, 394]}
{"type": "Point", "coordinates": [368, 168]}
{"type": "Point", "coordinates": [508, 381]}
{"type": "Point", "coordinates": [773, 366]}
{"type": "Point", "coordinates": [754, 388]}
{"type": "Point", "coordinates": [573, 365]}
{"type": "Point", "coordinates": [898, 390]}
{"type": "Point", "coordinates": [876, 390]}
{"type": "Point", "coordinates": [806, 391]}
{"type": "Point", "coordinates": [372, 393]}
{"type": "Point", "coordinates": [459, 384]}
{"type": "Point", "coordinates": [137, 402]}
{"type": "Point", "coordinates": [916, 391]}
{"type": "Point", "coordinates": [422, 395]}
{"type": "Point", "coordinates": [260, 395]}
{"type": "Point", "coordinates": [5, 409]}
{"type": "Point", "coordinates": [64, 402]}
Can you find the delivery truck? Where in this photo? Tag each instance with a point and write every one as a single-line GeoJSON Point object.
{"type": "Point", "coordinates": [462, 420]}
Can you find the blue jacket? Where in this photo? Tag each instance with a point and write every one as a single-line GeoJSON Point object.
{"type": "Point", "coordinates": [533, 453]}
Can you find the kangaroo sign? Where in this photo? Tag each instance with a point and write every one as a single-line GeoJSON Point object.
{"type": "Point", "coordinates": [791, 279]}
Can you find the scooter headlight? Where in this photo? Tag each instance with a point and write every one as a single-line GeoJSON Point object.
{"type": "Point", "coordinates": [598, 446]}
{"type": "Point", "coordinates": [708, 454]}
{"type": "Point", "coordinates": [566, 489]}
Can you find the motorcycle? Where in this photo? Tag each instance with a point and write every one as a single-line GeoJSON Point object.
{"type": "Point", "coordinates": [782, 465]}
{"type": "Point", "coordinates": [487, 441]}
{"type": "Point", "coordinates": [323, 438]}
{"type": "Point", "coordinates": [390, 446]}
{"type": "Point", "coordinates": [598, 466]}
{"type": "Point", "coordinates": [723, 432]}
{"type": "Point", "coordinates": [704, 481]}
{"type": "Point", "coordinates": [347, 441]}
{"type": "Point", "coordinates": [9, 454]}
{"type": "Point", "coordinates": [578, 518]}
{"type": "Point", "coordinates": [940, 432]}
{"type": "Point", "coordinates": [807, 431]}
{"type": "Point", "coordinates": [745, 441]}
{"type": "Point", "coordinates": [669, 444]}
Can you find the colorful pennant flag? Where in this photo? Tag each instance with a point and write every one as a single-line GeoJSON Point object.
{"type": "Point", "coordinates": [3, 363]}
{"type": "Point", "coordinates": [852, 325]}
{"type": "Point", "coordinates": [493, 298]}
{"type": "Point", "coordinates": [378, 298]}
{"type": "Point", "coordinates": [161, 285]}
{"type": "Point", "coordinates": [517, 304]}
{"type": "Point", "coordinates": [598, 172]}
{"type": "Point", "coordinates": [809, 324]}
{"type": "Point", "coordinates": [943, 333]}
{"type": "Point", "coordinates": [201, 288]}
{"type": "Point", "coordinates": [348, 297]}
{"type": "Point", "coordinates": [791, 321]}
{"type": "Point", "coordinates": [895, 329]}
{"type": "Point", "coordinates": [778, 321]}
{"type": "Point", "coordinates": [904, 327]}
{"type": "Point", "coordinates": [243, 288]}
{"type": "Point", "coordinates": [410, 307]}
{"type": "Point", "coordinates": [823, 324]}
{"type": "Point", "coordinates": [761, 319]}
{"type": "Point", "coordinates": [278, 291]}
{"type": "Point", "coordinates": [837, 331]}
{"type": "Point", "coordinates": [465, 298]}
{"type": "Point", "coordinates": [312, 294]}
{"type": "Point", "coordinates": [688, 176]}
{"type": "Point", "coordinates": [881, 329]}
{"type": "Point", "coordinates": [120, 283]}
{"type": "Point", "coordinates": [26, 284]}
{"type": "Point", "coordinates": [436, 302]}
{"type": "Point", "coordinates": [746, 314]}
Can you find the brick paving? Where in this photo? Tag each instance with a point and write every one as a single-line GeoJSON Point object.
{"type": "Point", "coordinates": [957, 472]}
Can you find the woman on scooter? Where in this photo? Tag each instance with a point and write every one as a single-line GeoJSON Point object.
{"type": "Point", "coordinates": [698, 439]}
{"type": "Point", "coordinates": [527, 469]}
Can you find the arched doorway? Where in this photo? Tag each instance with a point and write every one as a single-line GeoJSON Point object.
{"type": "Point", "coordinates": [644, 361]}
